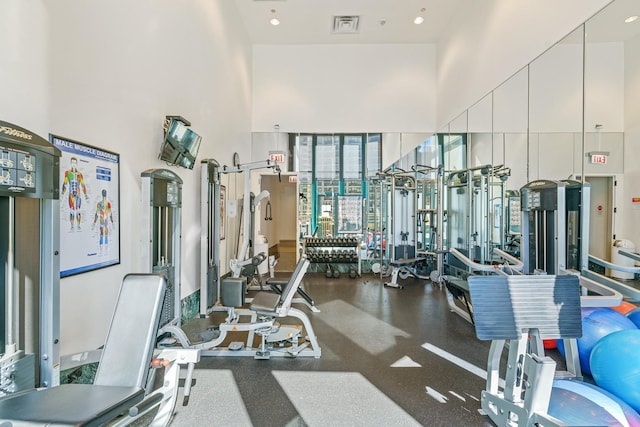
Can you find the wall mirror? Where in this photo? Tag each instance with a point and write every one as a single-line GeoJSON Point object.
{"type": "Point", "coordinates": [480, 127]}
{"type": "Point", "coordinates": [612, 77]}
{"type": "Point", "coordinates": [510, 124]}
{"type": "Point", "coordinates": [605, 88]}
{"type": "Point", "coordinates": [555, 109]}
{"type": "Point", "coordinates": [454, 143]}
{"type": "Point", "coordinates": [427, 152]}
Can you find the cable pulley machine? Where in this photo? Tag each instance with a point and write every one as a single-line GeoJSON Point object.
{"type": "Point", "coordinates": [29, 260]}
{"type": "Point", "coordinates": [161, 234]}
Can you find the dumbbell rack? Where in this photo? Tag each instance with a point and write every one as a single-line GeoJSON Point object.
{"type": "Point", "coordinates": [333, 251]}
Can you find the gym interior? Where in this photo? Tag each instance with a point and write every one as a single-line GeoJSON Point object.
{"type": "Point", "coordinates": [270, 213]}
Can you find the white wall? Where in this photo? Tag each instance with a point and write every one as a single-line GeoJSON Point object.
{"type": "Point", "coordinates": [24, 66]}
{"type": "Point", "coordinates": [263, 143]}
{"type": "Point", "coordinates": [344, 88]}
{"type": "Point", "coordinates": [493, 39]}
{"type": "Point", "coordinates": [117, 68]}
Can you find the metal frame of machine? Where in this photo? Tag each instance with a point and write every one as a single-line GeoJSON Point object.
{"type": "Point", "coordinates": [35, 166]}
{"type": "Point", "coordinates": [160, 235]}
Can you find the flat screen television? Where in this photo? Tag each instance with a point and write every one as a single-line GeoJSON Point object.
{"type": "Point", "coordinates": [180, 146]}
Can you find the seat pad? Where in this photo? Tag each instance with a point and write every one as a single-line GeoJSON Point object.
{"type": "Point", "coordinates": [71, 404]}
{"type": "Point", "coordinates": [265, 302]}
{"type": "Point", "coordinates": [406, 261]}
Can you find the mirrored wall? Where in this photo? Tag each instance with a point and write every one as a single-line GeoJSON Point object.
{"type": "Point", "coordinates": [573, 113]}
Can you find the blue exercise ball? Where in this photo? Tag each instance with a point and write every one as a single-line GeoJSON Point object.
{"type": "Point", "coordinates": [615, 365]}
{"type": "Point", "coordinates": [596, 324]}
{"type": "Point", "coordinates": [577, 403]}
{"type": "Point", "coordinates": [634, 316]}
{"type": "Point", "coordinates": [584, 312]}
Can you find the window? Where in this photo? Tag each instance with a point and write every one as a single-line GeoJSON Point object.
{"type": "Point", "coordinates": [330, 167]}
{"type": "Point", "coordinates": [373, 154]}
{"type": "Point", "coordinates": [327, 157]}
{"type": "Point", "coordinates": [454, 148]}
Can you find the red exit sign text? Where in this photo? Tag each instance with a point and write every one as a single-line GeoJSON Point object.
{"type": "Point", "coordinates": [599, 159]}
{"type": "Point", "coordinates": [276, 157]}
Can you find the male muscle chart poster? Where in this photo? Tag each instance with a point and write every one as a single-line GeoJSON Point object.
{"type": "Point", "coordinates": [89, 207]}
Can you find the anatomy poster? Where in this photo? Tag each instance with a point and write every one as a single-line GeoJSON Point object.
{"type": "Point", "coordinates": [89, 207]}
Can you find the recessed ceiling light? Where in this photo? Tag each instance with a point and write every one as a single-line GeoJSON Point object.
{"type": "Point", "coordinates": [274, 21]}
{"type": "Point", "coordinates": [419, 19]}
{"type": "Point", "coordinates": [631, 19]}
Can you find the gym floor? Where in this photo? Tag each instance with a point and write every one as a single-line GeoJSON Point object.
{"type": "Point", "coordinates": [389, 357]}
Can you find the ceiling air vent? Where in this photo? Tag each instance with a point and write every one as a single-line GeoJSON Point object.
{"type": "Point", "coordinates": [345, 25]}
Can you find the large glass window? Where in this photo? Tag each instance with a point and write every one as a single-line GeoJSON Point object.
{"type": "Point", "coordinates": [454, 151]}
{"type": "Point", "coordinates": [427, 153]}
{"type": "Point", "coordinates": [329, 168]}
{"type": "Point", "coordinates": [352, 150]}
{"type": "Point", "coordinates": [373, 154]}
{"type": "Point", "coordinates": [327, 157]}
{"type": "Point", "coordinates": [303, 150]}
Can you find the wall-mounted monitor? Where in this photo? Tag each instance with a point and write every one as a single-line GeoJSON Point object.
{"type": "Point", "coordinates": [181, 144]}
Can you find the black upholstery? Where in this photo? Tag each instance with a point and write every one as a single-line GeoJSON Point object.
{"type": "Point", "coordinates": [122, 371]}
{"type": "Point", "coordinates": [267, 302]}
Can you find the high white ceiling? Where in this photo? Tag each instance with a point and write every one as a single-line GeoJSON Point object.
{"type": "Point", "coordinates": [381, 21]}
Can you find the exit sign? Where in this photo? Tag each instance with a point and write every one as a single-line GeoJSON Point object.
{"type": "Point", "coordinates": [599, 159]}
{"type": "Point", "coordinates": [276, 156]}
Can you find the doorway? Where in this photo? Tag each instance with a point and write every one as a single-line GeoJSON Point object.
{"type": "Point", "coordinates": [279, 221]}
{"type": "Point", "coordinates": [601, 216]}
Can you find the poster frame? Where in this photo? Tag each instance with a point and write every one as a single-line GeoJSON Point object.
{"type": "Point", "coordinates": [87, 237]}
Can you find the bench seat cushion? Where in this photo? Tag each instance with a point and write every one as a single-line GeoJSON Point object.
{"type": "Point", "coordinates": [265, 302]}
{"type": "Point", "coordinates": [403, 262]}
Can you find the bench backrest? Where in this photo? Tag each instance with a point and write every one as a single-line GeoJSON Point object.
{"type": "Point", "coordinates": [505, 307]}
{"type": "Point", "coordinates": [133, 331]}
{"type": "Point", "coordinates": [294, 281]}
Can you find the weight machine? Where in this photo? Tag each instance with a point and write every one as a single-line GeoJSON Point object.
{"type": "Point", "coordinates": [209, 235]}
{"type": "Point", "coordinates": [266, 307]}
{"type": "Point", "coordinates": [161, 235]}
{"type": "Point", "coordinates": [29, 260]}
{"type": "Point", "coordinates": [431, 213]}
{"type": "Point", "coordinates": [513, 221]}
{"type": "Point", "coordinates": [475, 232]}
{"type": "Point", "coordinates": [528, 374]}
{"type": "Point", "coordinates": [630, 293]}
{"type": "Point", "coordinates": [475, 220]}
{"type": "Point", "coordinates": [245, 256]}
{"type": "Point", "coordinates": [555, 237]}
{"type": "Point", "coordinates": [134, 384]}
{"type": "Point", "coordinates": [404, 217]}
{"type": "Point", "coordinates": [228, 294]}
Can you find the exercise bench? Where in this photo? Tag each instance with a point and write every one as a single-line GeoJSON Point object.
{"type": "Point", "coordinates": [265, 307]}
{"type": "Point", "coordinates": [123, 389]}
{"type": "Point", "coordinates": [273, 305]}
{"type": "Point", "coordinates": [523, 310]}
{"type": "Point", "coordinates": [277, 285]}
{"type": "Point", "coordinates": [403, 267]}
